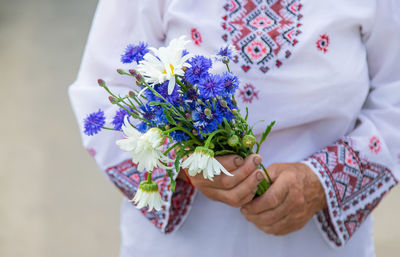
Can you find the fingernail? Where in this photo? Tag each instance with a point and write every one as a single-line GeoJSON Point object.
{"type": "Point", "coordinates": [238, 161]}
{"type": "Point", "coordinates": [259, 176]}
{"type": "Point", "coordinates": [257, 160]}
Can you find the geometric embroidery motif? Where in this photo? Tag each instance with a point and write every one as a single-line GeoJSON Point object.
{"type": "Point", "coordinates": [127, 178]}
{"type": "Point", "coordinates": [248, 93]}
{"type": "Point", "coordinates": [323, 43]}
{"type": "Point", "coordinates": [354, 187]}
{"type": "Point", "coordinates": [263, 31]}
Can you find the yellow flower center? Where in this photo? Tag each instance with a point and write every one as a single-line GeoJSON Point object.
{"type": "Point", "coordinates": [172, 69]}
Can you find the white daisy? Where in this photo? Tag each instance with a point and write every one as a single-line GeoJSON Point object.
{"type": "Point", "coordinates": [146, 149]}
{"type": "Point", "coordinates": [202, 160]}
{"type": "Point", "coordinates": [164, 63]}
{"type": "Point", "coordinates": [148, 195]}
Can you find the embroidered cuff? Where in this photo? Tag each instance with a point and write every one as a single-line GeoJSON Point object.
{"type": "Point", "coordinates": [127, 178]}
{"type": "Point", "coordinates": [353, 188]}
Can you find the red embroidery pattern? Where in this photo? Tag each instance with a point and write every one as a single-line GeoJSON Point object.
{"type": "Point", "coordinates": [323, 43]}
{"type": "Point", "coordinates": [354, 188]}
{"type": "Point", "coordinates": [127, 178]}
{"type": "Point", "coordinates": [196, 36]}
{"type": "Point", "coordinates": [375, 145]}
{"type": "Point", "coordinates": [262, 31]}
{"type": "Point", "coordinates": [248, 93]}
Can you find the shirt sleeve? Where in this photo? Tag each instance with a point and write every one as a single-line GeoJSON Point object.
{"type": "Point", "coordinates": [359, 169]}
{"type": "Point", "coordinates": [116, 24]}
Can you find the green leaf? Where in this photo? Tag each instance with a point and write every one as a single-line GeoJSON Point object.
{"type": "Point", "coordinates": [224, 152]}
{"type": "Point", "coordinates": [173, 182]}
{"type": "Point", "coordinates": [247, 114]}
{"type": "Point", "coordinates": [169, 118]}
{"type": "Point", "coordinates": [266, 132]}
{"type": "Point", "coordinates": [227, 126]}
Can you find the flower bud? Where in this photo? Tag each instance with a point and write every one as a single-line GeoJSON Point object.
{"type": "Point", "coordinates": [225, 59]}
{"type": "Point", "coordinates": [101, 82]}
{"type": "Point", "coordinates": [121, 71]}
{"type": "Point", "coordinates": [248, 141]}
{"type": "Point", "coordinates": [235, 112]}
{"type": "Point", "coordinates": [132, 72]}
{"type": "Point", "coordinates": [113, 100]}
{"type": "Point", "coordinates": [194, 132]}
{"type": "Point", "coordinates": [224, 103]}
{"type": "Point", "coordinates": [199, 101]}
{"type": "Point", "coordinates": [132, 94]}
{"type": "Point", "coordinates": [233, 140]}
{"type": "Point", "coordinates": [138, 77]}
{"type": "Point", "coordinates": [167, 126]}
{"type": "Point", "coordinates": [207, 112]}
{"type": "Point", "coordinates": [188, 115]}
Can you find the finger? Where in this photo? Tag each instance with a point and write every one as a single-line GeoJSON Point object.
{"type": "Point", "coordinates": [230, 162]}
{"type": "Point", "coordinates": [270, 217]}
{"type": "Point", "coordinates": [275, 169]}
{"type": "Point", "coordinates": [285, 226]}
{"type": "Point", "coordinates": [251, 163]}
{"type": "Point", "coordinates": [272, 198]}
{"type": "Point", "coordinates": [245, 191]}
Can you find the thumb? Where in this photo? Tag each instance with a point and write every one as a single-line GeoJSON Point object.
{"type": "Point", "coordinates": [274, 170]}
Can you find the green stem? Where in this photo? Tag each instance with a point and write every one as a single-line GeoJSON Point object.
{"type": "Point", "coordinates": [184, 130]}
{"type": "Point", "coordinates": [165, 100]}
{"type": "Point", "coordinates": [266, 173]}
{"type": "Point", "coordinates": [170, 148]}
{"type": "Point", "coordinates": [149, 177]}
{"type": "Point", "coordinates": [108, 90]}
{"type": "Point", "coordinates": [183, 86]}
{"type": "Point", "coordinates": [227, 66]}
{"type": "Point", "coordinates": [108, 128]}
{"type": "Point", "coordinates": [212, 135]}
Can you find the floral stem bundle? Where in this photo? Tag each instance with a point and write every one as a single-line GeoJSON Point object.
{"type": "Point", "coordinates": [181, 103]}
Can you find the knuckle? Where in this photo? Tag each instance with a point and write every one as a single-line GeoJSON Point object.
{"type": "Point", "coordinates": [226, 182]}
{"type": "Point", "coordinates": [300, 201]}
{"type": "Point", "coordinates": [232, 200]}
{"type": "Point", "coordinates": [273, 201]}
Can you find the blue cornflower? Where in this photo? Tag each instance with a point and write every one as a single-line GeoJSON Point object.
{"type": "Point", "coordinates": [191, 94]}
{"type": "Point", "coordinates": [148, 113]}
{"type": "Point", "coordinates": [94, 122]}
{"type": "Point", "coordinates": [143, 127]}
{"type": "Point", "coordinates": [118, 119]}
{"type": "Point", "coordinates": [211, 86]}
{"type": "Point", "coordinates": [179, 136]}
{"type": "Point", "coordinates": [163, 90]}
{"type": "Point", "coordinates": [225, 112]}
{"type": "Point", "coordinates": [153, 114]}
{"type": "Point", "coordinates": [134, 53]}
{"type": "Point", "coordinates": [231, 82]}
{"type": "Point", "coordinates": [227, 52]}
{"type": "Point", "coordinates": [185, 52]}
{"type": "Point", "coordinates": [205, 123]}
{"type": "Point", "coordinates": [199, 68]}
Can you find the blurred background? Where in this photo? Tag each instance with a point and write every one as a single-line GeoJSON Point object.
{"type": "Point", "coordinates": [54, 201]}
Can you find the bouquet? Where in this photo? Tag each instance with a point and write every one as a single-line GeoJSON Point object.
{"type": "Point", "coordinates": [180, 116]}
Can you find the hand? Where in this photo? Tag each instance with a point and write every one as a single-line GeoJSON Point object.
{"type": "Point", "coordinates": [294, 197]}
{"type": "Point", "coordinates": [235, 190]}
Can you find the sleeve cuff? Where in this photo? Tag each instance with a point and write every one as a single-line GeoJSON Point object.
{"type": "Point", "coordinates": [353, 188]}
{"type": "Point", "coordinates": [172, 215]}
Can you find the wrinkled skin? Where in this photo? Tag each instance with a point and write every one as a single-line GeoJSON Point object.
{"type": "Point", "coordinates": [294, 197]}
